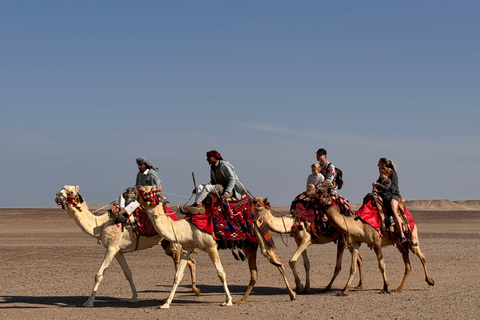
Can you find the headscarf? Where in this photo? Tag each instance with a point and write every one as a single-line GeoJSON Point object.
{"type": "Point", "coordinates": [214, 153]}
{"type": "Point", "coordinates": [143, 160]}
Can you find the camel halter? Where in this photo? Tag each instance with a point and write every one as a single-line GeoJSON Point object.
{"type": "Point", "coordinates": [70, 199]}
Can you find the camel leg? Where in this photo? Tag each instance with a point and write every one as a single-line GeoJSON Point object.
{"type": "Point", "coordinates": [192, 266]}
{"type": "Point", "coordinates": [174, 250]}
{"type": "Point", "coordinates": [353, 266]}
{"type": "Point", "coordinates": [107, 259]}
{"type": "Point", "coordinates": [381, 266]}
{"type": "Point", "coordinates": [302, 245]}
{"type": "Point", "coordinates": [128, 274]}
{"type": "Point", "coordinates": [416, 250]}
{"type": "Point", "coordinates": [213, 254]}
{"type": "Point", "coordinates": [338, 265]}
{"type": "Point", "coordinates": [360, 271]}
{"type": "Point", "coordinates": [251, 255]}
{"type": "Point", "coordinates": [272, 257]}
{"type": "Point", "coordinates": [408, 266]}
{"type": "Point", "coordinates": [178, 278]}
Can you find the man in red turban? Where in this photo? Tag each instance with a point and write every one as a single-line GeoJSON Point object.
{"type": "Point", "coordinates": [223, 182]}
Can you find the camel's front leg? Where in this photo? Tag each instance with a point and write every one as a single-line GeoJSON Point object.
{"type": "Point", "coordinates": [178, 278]}
{"type": "Point", "coordinates": [213, 254]}
{"type": "Point", "coordinates": [272, 257]}
{"type": "Point", "coordinates": [381, 266]}
{"type": "Point", "coordinates": [338, 265]}
{"type": "Point", "coordinates": [107, 259]}
{"type": "Point", "coordinates": [302, 245]}
{"type": "Point", "coordinates": [128, 274]}
{"type": "Point", "coordinates": [353, 266]}
{"type": "Point", "coordinates": [251, 255]}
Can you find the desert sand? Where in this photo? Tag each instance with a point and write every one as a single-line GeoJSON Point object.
{"type": "Point", "coordinates": [48, 266]}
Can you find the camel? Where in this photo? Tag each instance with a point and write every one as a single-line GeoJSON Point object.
{"type": "Point", "coordinates": [358, 231]}
{"type": "Point", "coordinates": [116, 239]}
{"type": "Point", "coordinates": [303, 239]}
{"type": "Point", "coordinates": [190, 237]}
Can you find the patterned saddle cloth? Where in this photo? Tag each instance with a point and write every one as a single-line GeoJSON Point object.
{"type": "Point", "coordinates": [232, 223]}
{"type": "Point", "coordinates": [307, 209]}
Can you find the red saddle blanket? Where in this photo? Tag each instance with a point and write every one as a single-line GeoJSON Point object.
{"type": "Point", "coordinates": [231, 223]}
{"type": "Point", "coordinates": [368, 212]}
{"type": "Point", "coordinates": [144, 226]}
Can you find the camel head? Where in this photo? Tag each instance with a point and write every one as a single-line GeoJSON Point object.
{"type": "Point", "coordinates": [260, 203]}
{"type": "Point", "coordinates": [68, 195]}
{"type": "Point", "coordinates": [150, 196]}
{"type": "Point", "coordinates": [324, 198]}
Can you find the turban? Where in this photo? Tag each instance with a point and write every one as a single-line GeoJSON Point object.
{"type": "Point", "coordinates": [143, 160]}
{"type": "Point", "coordinates": [214, 153]}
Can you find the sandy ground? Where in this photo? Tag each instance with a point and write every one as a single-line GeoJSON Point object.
{"type": "Point", "coordinates": [48, 264]}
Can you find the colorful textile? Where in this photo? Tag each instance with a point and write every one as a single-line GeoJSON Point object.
{"type": "Point", "coordinates": [368, 212]}
{"type": "Point", "coordinates": [143, 225]}
{"type": "Point", "coordinates": [232, 224]}
{"type": "Point", "coordinates": [308, 210]}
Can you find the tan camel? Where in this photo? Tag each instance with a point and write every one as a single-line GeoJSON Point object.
{"type": "Point", "coordinates": [303, 239]}
{"type": "Point", "coordinates": [116, 239]}
{"type": "Point", "coordinates": [191, 237]}
{"type": "Point", "coordinates": [359, 231]}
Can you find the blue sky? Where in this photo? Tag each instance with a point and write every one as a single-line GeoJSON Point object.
{"type": "Point", "coordinates": [88, 86]}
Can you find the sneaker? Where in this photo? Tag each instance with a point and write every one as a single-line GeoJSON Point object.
{"type": "Point", "coordinates": [391, 221]}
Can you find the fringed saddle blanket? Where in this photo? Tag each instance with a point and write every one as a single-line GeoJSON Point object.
{"type": "Point", "coordinates": [372, 210]}
{"type": "Point", "coordinates": [307, 209]}
{"type": "Point", "coordinates": [143, 225]}
{"type": "Point", "coordinates": [232, 224]}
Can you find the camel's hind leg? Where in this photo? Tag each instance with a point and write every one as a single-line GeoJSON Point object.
{"type": "Point", "coordinates": [213, 254]}
{"type": "Point", "coordinates": [251, 255]}
{"type": "Point", "coordinates": [302, 245]}
{"type": "Point", "coordinates": [268, 252]}
{"type": "Point", "coordinates": [128, 274]}
{"type": "Point", "coordinates": [416, 249]}
{"type": "Point", "coordinates": [109, 254]}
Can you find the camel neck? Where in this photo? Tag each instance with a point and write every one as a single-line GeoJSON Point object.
{"type": "Point", "coordinates": [87, 221]}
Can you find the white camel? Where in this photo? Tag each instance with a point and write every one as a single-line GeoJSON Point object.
{"type": "Point", "coordinates": [191, 237]}
{"type": "Point", "coordinates": [304, 239]}
{"type": "Point", "coordinates": [116, 239]}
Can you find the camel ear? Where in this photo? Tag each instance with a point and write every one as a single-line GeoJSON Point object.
{"type": "Point", "coordinates": [76, 188]}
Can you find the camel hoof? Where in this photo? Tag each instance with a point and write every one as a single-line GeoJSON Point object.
{"type": "Point", "coordinates": [227, 304]}
{"type": "Point", "coordinates": [385, 291]}
{"type": "Point", "coordinates": [88, 304]}
{"type": "Point", "coordinates": [360, 286]}
{"type": "Point", "coordinates": [164, 306]}
{"type": "Point", "coordinates": [241, 301]}
{"type": "Point", "coordinates": [197, 292]}
{"type": "Point", "coordinates": [342, 294]}
{"type": "Point", "coordinates": [133, 300]}
{"type": "Point", "coordinates": [293, 296]}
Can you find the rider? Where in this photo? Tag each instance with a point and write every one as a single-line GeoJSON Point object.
{"type": "Point", "coordinates": [223, 182]}
{"type": "Point", "coordinates": [146, 176]}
